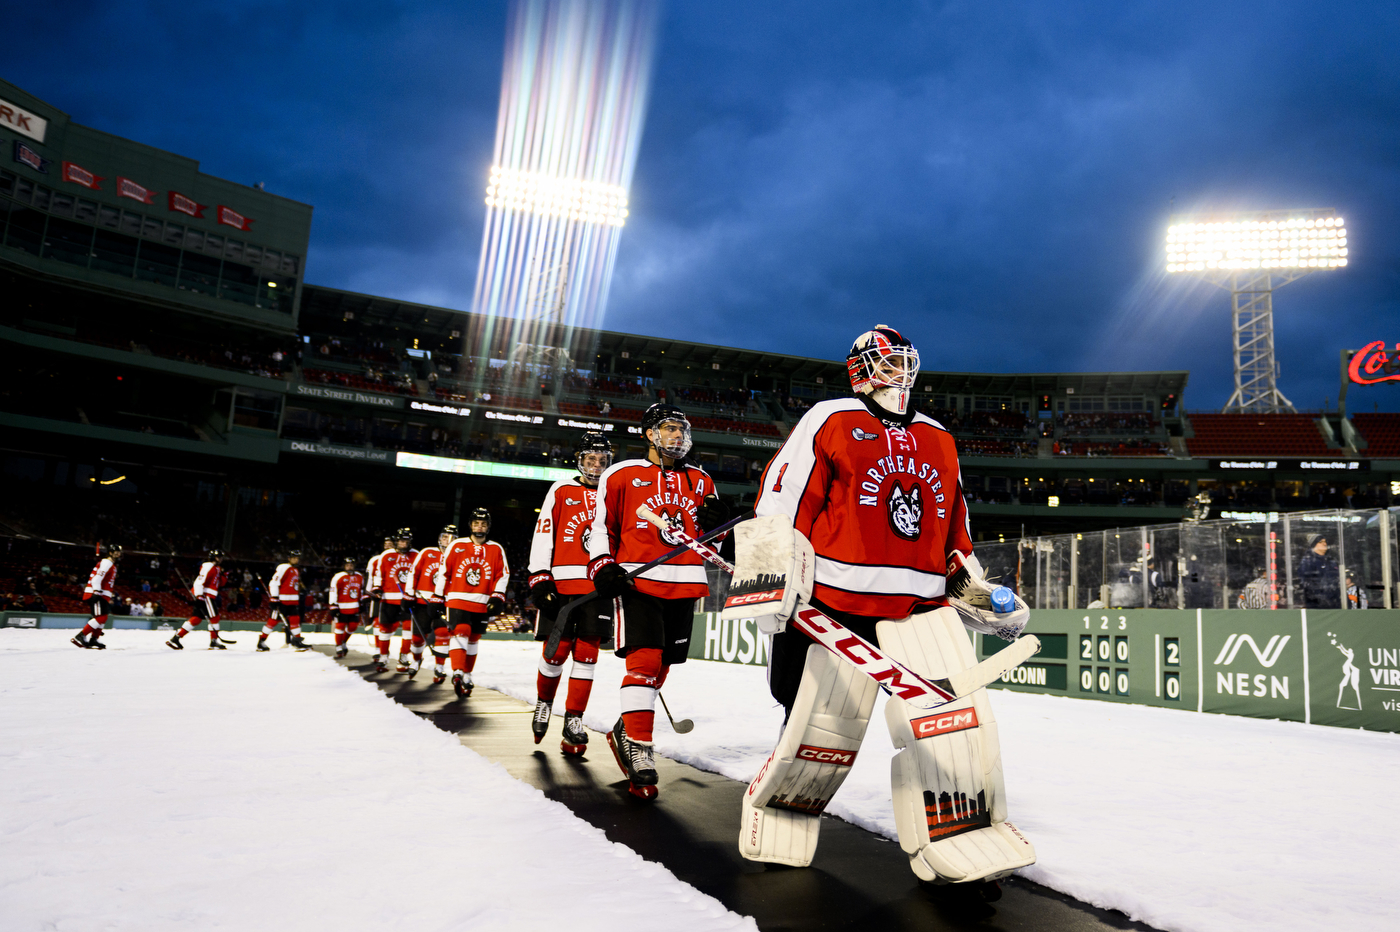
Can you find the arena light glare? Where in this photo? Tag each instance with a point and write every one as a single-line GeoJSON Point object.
{"type": "Point", "coordinates": [1310, 240]}
{"type": "Point", "coordinates": [586, 201]}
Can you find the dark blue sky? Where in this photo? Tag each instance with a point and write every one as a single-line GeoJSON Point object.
{"type": "Point", "coordinates": [994, 179]}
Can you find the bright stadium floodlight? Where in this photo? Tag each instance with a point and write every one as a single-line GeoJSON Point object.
{"type": "Point", "coordinates": [586, 201]}
{"type": "Point", "coordinates": [573, 100]}
{"type": "Point", "coordinates": [1249, 255]}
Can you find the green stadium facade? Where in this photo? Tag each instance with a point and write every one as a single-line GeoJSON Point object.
{"type": "Point", "coordinates": [163, 355]}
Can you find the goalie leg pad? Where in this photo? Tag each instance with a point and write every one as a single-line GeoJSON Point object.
{"type": "Point", "coordinates": [783, 804]}
{"type": "Point", "coordinates": [946, 779]}
{"type": "Point", "coordinates": [773, 566]}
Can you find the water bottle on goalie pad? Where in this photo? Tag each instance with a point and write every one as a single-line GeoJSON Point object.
{"type": "Point", "coordinates": [783, 804]}
{"type": "Point", "coordinates": [946, 778]}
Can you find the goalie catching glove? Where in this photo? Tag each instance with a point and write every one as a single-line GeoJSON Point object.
{"type": "Point", "coordinates": [773, 565]}
{"type": "Point", "coordinates": [977, 601]}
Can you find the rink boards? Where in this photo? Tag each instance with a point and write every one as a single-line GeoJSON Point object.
{"type": "Point", "coordinates": [1325, 667]}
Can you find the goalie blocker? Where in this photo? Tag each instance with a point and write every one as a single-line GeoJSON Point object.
{"type": "Point", "coordinates": [947, 788]}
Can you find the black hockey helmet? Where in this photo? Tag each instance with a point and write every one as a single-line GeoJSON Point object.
{"type": "Point", "coordinates": [348, 561]}
{"type": "Point", "coordinates": [660, 413]}
{"type": "Point", "coordinates": [114, 551]}
{"type": "Point", "coordinates": [593, 442]}
{"type": "Point", "coordinates": [216, 555]}
{"type": "Point", "coordinates": [480, 514]}
{"type": "Point", "coordinates": [294, 554]}
{"type": "Point", "coordinates": [883, 364]}
{"type": "Point", "coordinates": [404, 533]}
{"type": "Point", "coordinates": [449, 529]}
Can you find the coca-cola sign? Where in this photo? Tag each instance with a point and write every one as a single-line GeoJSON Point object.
{"type": "Point", "coordinates": [1373, 363]}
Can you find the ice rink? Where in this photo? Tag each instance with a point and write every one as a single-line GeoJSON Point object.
{"type": "Point", "coordinates": [150, 789]}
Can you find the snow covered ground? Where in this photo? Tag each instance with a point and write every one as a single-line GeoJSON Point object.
{"type": "Point", "coordinates": [151, 790]}
{"type": "Point", "coordinates": [1198, 823]}
{"type": "Point", "coordinates": [148, 790]}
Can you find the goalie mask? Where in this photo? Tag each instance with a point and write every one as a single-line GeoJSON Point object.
{"type": "Point", "coordinates": [883, 365]}
{"type": "Point", "coordinates": [594, 456]}
{"type": "Point", "coordinates": [670, 442]}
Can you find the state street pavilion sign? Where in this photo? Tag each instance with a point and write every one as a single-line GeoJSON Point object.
{"type": "Point", "coordinates": [346, 394]}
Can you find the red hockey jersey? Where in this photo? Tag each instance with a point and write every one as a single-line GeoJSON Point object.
{"type": "Point", "coordinates": [472, 574]}
{"type": "Point", "coordinates": [559, 548]}
{"type": "Point", "coordinates": [393, 575]}
{"type": "Point", "coordinates": [619, 534]}
{"type": "Point", "coordinates": [424, 573]}
{"type": "Point", "coordinates": [345, 590]}
{"type": "Point", "coordinates": [207, 581]}
{"type": "Point", "coordinates": [286, 584]}
{"type": "Point", "coordinates": [102, 579]}
{"type": "Point", "coordinates": [882, 506]}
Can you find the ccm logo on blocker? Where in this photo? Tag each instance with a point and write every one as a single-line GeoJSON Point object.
{"type": "Point", "coordinates": [826, 755]}
{"type": "Point", "coordinates": [944, 724]}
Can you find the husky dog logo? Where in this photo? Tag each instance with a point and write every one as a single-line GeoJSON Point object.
{"type": "Point", "coordinates": [473, 576]}
{"type": "Point", "coordinates": [906, 510]}
{"type": "Point", "coordinates": [586, 536]}
{"type": "Point", "coordinates": [674, 522]}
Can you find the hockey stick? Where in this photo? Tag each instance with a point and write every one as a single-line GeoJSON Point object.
{"type": "Point", "coordinates": [556, 633]}
{"type": "Point", "coordinates": [684, 727]}
{"type": "Point", "coordinates": [891, 675]}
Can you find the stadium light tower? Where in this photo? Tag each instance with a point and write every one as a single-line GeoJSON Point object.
{"type": "Point", "coordinates": [1249, 255]}
{"type": "Point", "coordinates": [573, 98]}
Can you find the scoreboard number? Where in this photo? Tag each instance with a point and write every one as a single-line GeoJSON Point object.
{"type": "Point", "coordinates": [1171, 650]}
{"type": "Point", "coordinates": [1171, 685]}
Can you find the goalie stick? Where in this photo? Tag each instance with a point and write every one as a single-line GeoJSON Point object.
{"type": "Point", "coordinates": [888, 673]}
{"type": "Point", "coordinates": [556, 633]}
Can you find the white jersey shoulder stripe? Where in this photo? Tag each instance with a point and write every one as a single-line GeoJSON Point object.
{"type": "Point", "coordinates": [878, 580]}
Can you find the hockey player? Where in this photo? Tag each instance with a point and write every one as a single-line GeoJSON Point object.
{"type": "Point", "coordinates": [876, 488]}
{"type": "Point", "coordinates": [428, 605]}
{"type": "Point", "coordinates": [654, 610]}
{"type": "Point", "coordinates": [345, 590]}
{"type": "Point", "coordinates": [391, 581]}
{"type": "Point", "coordinates": [98, 594]}
{"type": "Point", "coordinates": [371, 574]}
{"type": "Point", "coordinates": [285, 592]}
{"type": "Point", "coordinates": [205, 594]}
{"type": "Point", "coordinates": [473, 583]}
{"type": "Point", "coordinates": [558, 572]}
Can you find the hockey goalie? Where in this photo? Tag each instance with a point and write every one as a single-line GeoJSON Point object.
{"type": "Point", "coordinates": [861, 517]}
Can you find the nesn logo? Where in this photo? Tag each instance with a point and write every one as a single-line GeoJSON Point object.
{"type": "Point", "coordinates": [859, 434]}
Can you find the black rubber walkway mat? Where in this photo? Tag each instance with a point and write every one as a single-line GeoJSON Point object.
{"type": "Point", "coordinates": [858, 880]}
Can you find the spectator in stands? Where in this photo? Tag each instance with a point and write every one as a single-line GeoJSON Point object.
{"type": "Point", "coordinates": [1318, 573]}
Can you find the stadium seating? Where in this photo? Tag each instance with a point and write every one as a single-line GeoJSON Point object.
{"type": "Point", "coordinates": [1382, 433]}
{"type": "Point", "coordinates": [1256, 435]}
{"type": "Point", "coordinates": [352, 380]}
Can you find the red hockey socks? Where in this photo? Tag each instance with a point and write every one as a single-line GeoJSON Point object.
{"type": "Point", "coordinates": [638, 692]}
{"type": "Point", "coordinates": [581, 676]}
{"type": "Point", "coordinates": [472, 648]}
{"type": "Point", "coordinates": [460, 646]}
{"type": "Point", "coordinates": [551, 669]}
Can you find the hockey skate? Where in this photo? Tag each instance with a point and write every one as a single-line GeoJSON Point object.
{"type": "Point", "coordinates": [403, 666]}
{"type": "Point", "coordinates": [414, 666]}
{"type": "Point", "coordinates": [217, 644]}
{"type": "Point", "coordinates": [575, 736]}
{"type": "Point", "coordinates": [78, 641]}
{"type": "Point", "coordinates": [175, 644]}
{"type": "Point", "coordinates": [636, 761]}
{"type": "Point", "coordinates": [439, 676]}
{"type": "Point", "coordinates": [341, 651]}
{"type": "Point", "coordinates": [381, 664]}
{"type": "Point", "coordinates": [462, 684]}
{"type": "Point", "coordinates": [299, 644]}
{"type": "Point", "coordinates": [539, 723]}
{"type": "Point", "coordinates": [262, 645]}
{"type": "Point", "coordinates": [95, 643]}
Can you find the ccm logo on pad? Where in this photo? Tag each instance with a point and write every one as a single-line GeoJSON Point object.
{"type": "Point", "coordinates": [826, 755]}
{"type": "Point", "coordinates": [944, 724]}
{"type": "Point", "coordinates": [748, 598]}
